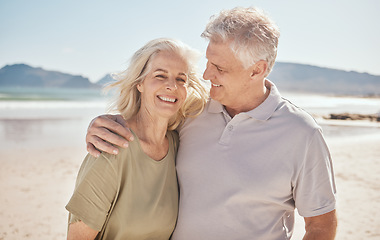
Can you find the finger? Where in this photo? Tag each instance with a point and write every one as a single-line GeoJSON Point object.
{"type": "Point", "coordinates": [124, 131]}
{"type": "Point", "coordinates": [119, 119]}
{"type": "Point", "coordinates": [107, 120]}
{"type": "Point", "coordinates": [115, 124]}
{"type": "Point", "coordinates": [101, 145]}
{"type": "Point", "coordinates": [92, 150]}
{"type": "Point", "coordinates": [101, 135]}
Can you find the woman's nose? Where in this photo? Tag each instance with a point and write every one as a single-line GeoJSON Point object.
{"type": "Point", "coordinates": [171, 84]}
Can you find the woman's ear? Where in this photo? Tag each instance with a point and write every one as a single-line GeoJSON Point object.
{"type": "Point", "coordinates": [140, 87]}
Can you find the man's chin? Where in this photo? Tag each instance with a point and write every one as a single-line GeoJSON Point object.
{"type": "Point", "coordinates": [214, 95]}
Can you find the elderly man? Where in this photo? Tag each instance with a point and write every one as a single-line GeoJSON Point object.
{"type": "Point", "coordinates": [251, 157]}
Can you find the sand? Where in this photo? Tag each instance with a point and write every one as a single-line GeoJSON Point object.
{"type": "Point", "coordinates": [37, 176]}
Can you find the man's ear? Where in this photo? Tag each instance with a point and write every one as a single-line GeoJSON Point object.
{"type": "Point", "coordinates": [260, 68]}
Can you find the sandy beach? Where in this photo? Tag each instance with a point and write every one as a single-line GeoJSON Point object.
{"type": "Point", "coordinates": [39, 167]}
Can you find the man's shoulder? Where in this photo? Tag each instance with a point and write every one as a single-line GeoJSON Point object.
{"type": "Point", "coordinates": [190, 120]}
{"type": "Point", "coordinates": [296, 115]}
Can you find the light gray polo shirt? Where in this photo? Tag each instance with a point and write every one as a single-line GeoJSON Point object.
{"type": "Point", "coordinates": [242, 178]}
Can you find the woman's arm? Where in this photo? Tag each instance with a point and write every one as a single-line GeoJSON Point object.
{"type": "Point", "coordinates": [80, 231]}
{"type": "Point", "coordinates": [95, 191]}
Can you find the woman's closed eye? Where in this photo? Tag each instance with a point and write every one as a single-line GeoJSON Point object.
{"type": "Point", "coordinates": [182, 80]}
{"type": "Point", "coordinates": [160, 76]}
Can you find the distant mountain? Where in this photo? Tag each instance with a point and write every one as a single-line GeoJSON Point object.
{"type": "Point", "coordinates": [289, 77]}
{"type": "Point", "coordinates": [105, 80]}
{"type": "Point", "coordinates": [22, 75]}
{"type": "Point", "coordinates": [305, 78]}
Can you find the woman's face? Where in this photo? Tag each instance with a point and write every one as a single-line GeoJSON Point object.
{"type": "Point", "coordinates": [164, 89]}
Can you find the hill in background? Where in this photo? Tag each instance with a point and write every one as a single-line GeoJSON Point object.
{"type": "Point", "coordinates": [290, 77]}
{"type": "Point", "coordinates": [311, 79]}
{"type": "Point", "coordinates": [22, 75]}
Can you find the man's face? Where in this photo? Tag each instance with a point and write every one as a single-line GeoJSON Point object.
{"type": "Point", "coordinates": [228, 77]}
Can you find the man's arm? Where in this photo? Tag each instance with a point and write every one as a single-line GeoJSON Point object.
{"type": "Point", "coordinates": [321, 227]}
{"type": "Point", "coordinates": [80, 231]}
{"type": "Point", "coordinates": [104, 132]}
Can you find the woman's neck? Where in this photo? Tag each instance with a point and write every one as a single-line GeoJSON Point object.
{"type": "Point", "coordinates": [151, 130]}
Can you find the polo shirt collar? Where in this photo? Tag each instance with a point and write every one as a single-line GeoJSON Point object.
{"type": "Point", "coordinates": [263, 112]}
{"type": "Point", "coordinates": [215, 106]}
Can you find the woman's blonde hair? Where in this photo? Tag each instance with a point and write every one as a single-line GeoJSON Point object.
{"type": "Point", "coordinates": [128, 99]}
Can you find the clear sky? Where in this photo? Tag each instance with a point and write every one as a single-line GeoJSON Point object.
{"type": "Point", "coordinates": [92, 38]}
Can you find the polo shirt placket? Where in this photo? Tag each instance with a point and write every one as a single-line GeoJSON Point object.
{"type": "Point", "coordinates": [231, 127]}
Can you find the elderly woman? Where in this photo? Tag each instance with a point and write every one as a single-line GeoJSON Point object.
{"type": "Point", "coordinates": [134, 195]}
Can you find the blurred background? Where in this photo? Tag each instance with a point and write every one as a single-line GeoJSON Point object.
{"type": "Point", "coordinates": [55, 56]}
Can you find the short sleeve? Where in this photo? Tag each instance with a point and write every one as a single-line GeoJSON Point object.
{"type": "Point", "coordinates": [315, 192]}
{"type": "Point", "coordinates": [94, 192]}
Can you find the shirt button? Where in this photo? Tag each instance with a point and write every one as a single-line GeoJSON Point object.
{"type": "Point", "coordinates": [230, 127]}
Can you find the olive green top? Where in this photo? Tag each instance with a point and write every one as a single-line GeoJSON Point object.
{"type": "Point", "coordinates": [128, 196]}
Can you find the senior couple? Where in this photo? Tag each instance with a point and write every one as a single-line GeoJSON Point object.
{"type": "Point", "coordinates": [247, 157]}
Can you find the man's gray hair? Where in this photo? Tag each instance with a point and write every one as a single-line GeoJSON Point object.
{"type": "Point", "coordinates": [252, 34]}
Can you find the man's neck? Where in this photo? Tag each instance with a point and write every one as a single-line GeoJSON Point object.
{"type": "Point", "coordinates": [255, 101]}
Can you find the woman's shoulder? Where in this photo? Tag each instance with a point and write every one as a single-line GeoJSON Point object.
{"type": "Point", "coordinates": [92, 165]}
{"type": "Point", "coordinates": [123, 153]}
{"type": "Point", "coordinates": [111, 160]}
{"type": "Point", "coordinates": [173, 138]}
{"type": "Point", "coordinates": [173, 134]}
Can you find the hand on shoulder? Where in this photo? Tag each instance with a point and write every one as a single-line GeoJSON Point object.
{"type": "Point", "coordinates": [105, 132]}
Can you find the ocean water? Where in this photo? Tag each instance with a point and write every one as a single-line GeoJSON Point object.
{"type": "Point", "coordinates": [47, 117]}
{"type": "Point", "coordinates": [60, 117]}
{"type": "Point", "coordinates": [40, 94]}
{"type": "Point", "coordinates": [323, 105]}
{"type": "Point", "coordinates": [73, 103]}
{"type": "Point", "coordinates": [31, 103]}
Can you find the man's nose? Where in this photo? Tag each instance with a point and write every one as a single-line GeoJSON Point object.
{"type": "Point", "coordinates": [206, 73]}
